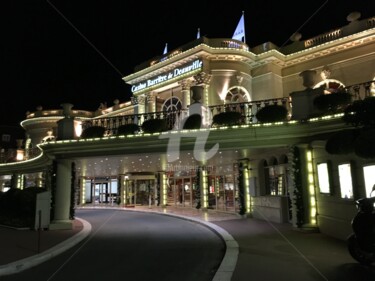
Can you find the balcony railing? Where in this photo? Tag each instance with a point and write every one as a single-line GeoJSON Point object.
{"type": "Point", "coordinates": [248, 111]}
{"type": "Point", "coordinates": [111, 124]}
{"type": "Point", "coordinates": [174, 119]}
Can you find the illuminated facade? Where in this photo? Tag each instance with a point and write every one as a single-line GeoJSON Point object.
{"type": "Point", "coordinates": [267, 170]}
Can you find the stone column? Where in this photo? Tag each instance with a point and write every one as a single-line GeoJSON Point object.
{"type": "Point", "coordinates": [17, 181]}
{"type": "Point", "coordinates": [204, 79]}
{"type": "Point", "coordinates": [139, 108]}
{"type": "Point", "coordinates": [244, 183]}
{"type": "Point", "coordinates": [304, 194]}
{"type": "Point", "coordinates": [151, 102]}
{"type": "Point", "coordinates": [62, 195]}
{"type": "Point", "coordinates": [203, 187]}
{"type": "Point", "coordinates": [162, 185]}
{"type": "Point", "coordinates": [124, 189]}
{"type": "Point", "coordinates": [185, 86]}
{"type": "Point", "coordinates": [82, 190]}
{"type": "Point", "coordinates": [197, 107]}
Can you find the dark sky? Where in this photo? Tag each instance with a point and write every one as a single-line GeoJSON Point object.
{"type": "Point", "coordinates": [60, 51]}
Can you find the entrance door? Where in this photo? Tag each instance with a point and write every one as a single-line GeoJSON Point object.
{"type": "Point", "coordinates": [187, 191]}
{"type": "Point", "coordinates": [144, 192]}
{"type": "Point", "coordinates": [102, 190]}
{"type": "Point", "coordinates": [182, 192]}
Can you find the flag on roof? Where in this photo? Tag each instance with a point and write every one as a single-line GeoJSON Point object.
{"type": "Point", "coordinates": [239, 33]}
{"type": "Point", "coordinates": [165, 49]}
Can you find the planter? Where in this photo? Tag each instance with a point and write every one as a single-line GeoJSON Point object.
{"type": "Point", "coordinates": [227, 118]}
{"type": "Point", "coordinates": [272, 113]}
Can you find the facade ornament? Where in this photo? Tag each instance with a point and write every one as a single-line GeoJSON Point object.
{"type": "Point", "coordinates": [134, 100]}
{"type": "Point", "coordinates": [141, 99]}
{"type": "Point", "coordinates": [325, 73]}
{"type": "Point", "coordinates": [239, 79]}
{"type": "Point", "coordinates": [150, 97]}
{"type": "Point", "coordinates": [185, 84]}
{"type": "Point", "coordinates": [67, 110]}
{"type": "Point", "coordinates": [308, 78]}
{"type": "Point", "coordinates": [202, 78]}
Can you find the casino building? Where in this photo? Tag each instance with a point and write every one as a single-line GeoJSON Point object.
{"type": "Point", "coordinates": [274, 168]}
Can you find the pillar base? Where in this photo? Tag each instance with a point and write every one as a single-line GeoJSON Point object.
{"type": "Point", "coordinates": [61, 224]}
{"type": "Point", "coordinates": [308, 228]}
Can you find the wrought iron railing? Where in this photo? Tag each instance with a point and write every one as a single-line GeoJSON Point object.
{"type": "Point", "coordinates": [111, 124]}
{"type": "Point", "coordinates": [174, 119]}
{"type": "Point", "coordinates": [248, 111]}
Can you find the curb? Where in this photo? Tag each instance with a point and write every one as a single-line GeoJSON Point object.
{"type": "Point", "coordinates": [26, 263]}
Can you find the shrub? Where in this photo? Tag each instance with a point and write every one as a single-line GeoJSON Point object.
{"type": "Point", "coordinates": [227, 118]}
{"type": "Point", "coordinates": [194, 121]}
{"type": "Point", "coordinates": [272, 113]}
{"type": "Point", "coordinates": [154, 125]}
{"type": "Point", "coordinates": [93, 132]}
{"type": "Point", "coordinates": [127, 129]}
{"type": "Point", "coordinates": [361, 113]}
{"type": "Point", "coordinates": [332, 102]}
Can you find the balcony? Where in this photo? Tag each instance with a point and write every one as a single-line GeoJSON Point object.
{"type": "Point", "coordinates": [248, 111]}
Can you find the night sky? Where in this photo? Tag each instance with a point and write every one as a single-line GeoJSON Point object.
{"type": "Point", "coordinates": [60, 51]}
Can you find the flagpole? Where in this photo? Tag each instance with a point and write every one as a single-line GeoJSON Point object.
{"type": "Point", "coordinates": [244, 34]}
{"type": "Point", "coordinates": [239, 32]}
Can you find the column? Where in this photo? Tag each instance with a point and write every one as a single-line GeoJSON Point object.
{"type": "Point", "coordinates": [151, 102]}
{"type": "Point", "coordinates": [82, 190]}
{"type": "Point", "coordinates": [244, 186]}
{"type": "Point", "coordinates": [17, 181]}
{"type": "Point", "coordinates": [62, 195]}
{"type": "Point", "coordinates": [203, 187]}
{"type": "Point", "coordinates": [185, 90]}
{"type": "Point", "coordinates": [123, 180]}
{"type": "Point", "coordinates": [162, 185]}
{"type": "Point", "coordinates": [204, 79]}
{"type": "Point", "coordinates": [302, 188]}
{"type": "Point", "coordinates": [139, 108]}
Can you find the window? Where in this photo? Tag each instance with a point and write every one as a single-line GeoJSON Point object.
{"type": "Point", "coordinates": [369, 174]}
{"type": "Point", "coordinates": [345, 177]}
{"type": "Point", "coordinates": [277, 180]}
{"type": "Point", "coordinates": [323, 178]}
{"type": "Point", "coordinates": [237, 94]}
{"type": "Point", "coordinates": [5, 138]}
{"type": "Point", "coordinates": [171, 106]}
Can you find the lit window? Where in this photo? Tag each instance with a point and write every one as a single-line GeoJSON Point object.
{"type": "Point", "coordinates": [369, 174]}
{"type": "Point", "coordinates": [345, 177]}
{"type": "Point", "coordinates": [323, 178]}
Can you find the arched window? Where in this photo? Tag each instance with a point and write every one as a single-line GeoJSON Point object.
{"type": "Point", "coordinates": [171, 108]}
{"type": "Point", "coordinates": [172, 104]}
{"type": "Point", "coordinates": [237, 94]}
{"type": "Point", "coordinates": [330, 86]}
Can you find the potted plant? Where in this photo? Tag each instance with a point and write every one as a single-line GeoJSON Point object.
{"type": "Point", "coordinates": [272, 113]}
{"type": "Point", "coordinates": [194, 121]}
{"type": "Point", "coordinates": [127, 129]}
{"type": "Point", "coordinates": [227, 118]}
{"type": "Point", "coordinates": [154, 125]}
{"type": "Point", "coordinates": [93, 132]}
{"type": "Point", "coordinates": [332, 102]}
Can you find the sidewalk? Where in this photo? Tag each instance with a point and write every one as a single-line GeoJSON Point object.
{"type": "Point", "coordinates": [256, 250]}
